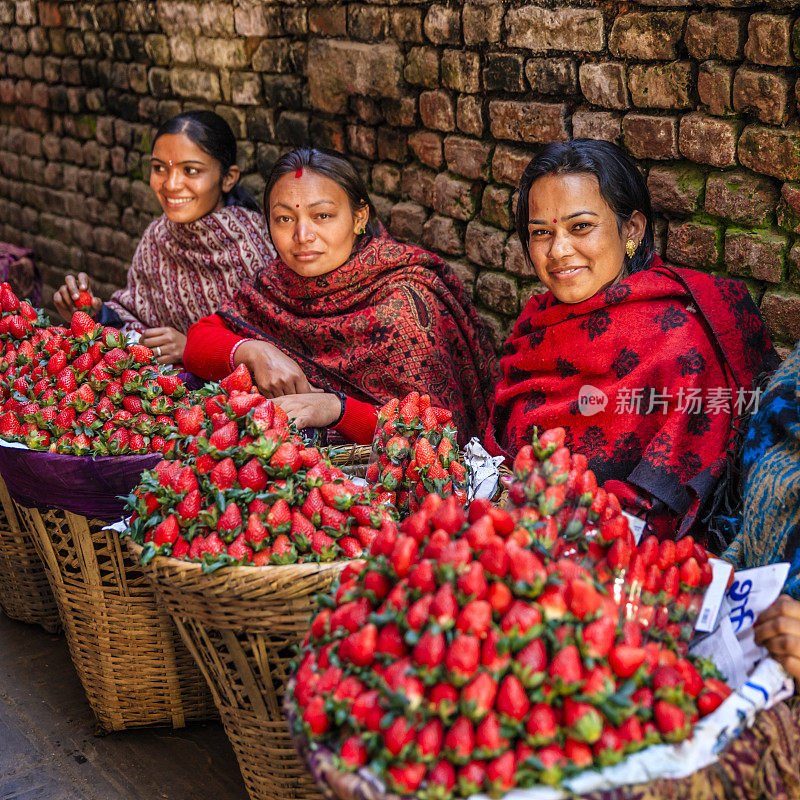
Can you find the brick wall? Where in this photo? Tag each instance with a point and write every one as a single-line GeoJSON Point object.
{"type": "Point", "coordinates": [440, 105]}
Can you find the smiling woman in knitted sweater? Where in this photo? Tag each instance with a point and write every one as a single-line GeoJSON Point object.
{"type": "Point", "coordinates": [210, 237]}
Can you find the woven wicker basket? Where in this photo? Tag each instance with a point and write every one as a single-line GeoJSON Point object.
{"type": "Point", "coordinates": [242, 625]}
{"type": "Point", "coordinates": [25, 593]}
{"type": "Point", "coordinates": [130, 659]}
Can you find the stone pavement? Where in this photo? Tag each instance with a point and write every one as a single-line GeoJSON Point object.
{"type": "Point", "coordinates": [48, 750]}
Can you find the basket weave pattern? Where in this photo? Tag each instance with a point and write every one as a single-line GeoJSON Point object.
{"type": "Point", "coordinates": [25, 593]}
{"type": "Point", "coordinates": [130, 659]}
{"type": "Point", "coordinates": [242, 625]}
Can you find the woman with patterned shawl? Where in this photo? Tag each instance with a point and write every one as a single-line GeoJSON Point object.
{"type": "Point", "coordinates": [645, 366]}
{"type": "Point", "coordinates": [346, 318]}
{"type": "Point", "coordinates": [191, 259]}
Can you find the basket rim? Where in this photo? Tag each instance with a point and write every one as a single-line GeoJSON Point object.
{"type": "Point", "coordinates": [193, 568]}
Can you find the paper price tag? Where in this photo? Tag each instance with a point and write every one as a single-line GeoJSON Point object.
{"type": "Point", "coordinates": [637, 525]}
{"type": "Point", "coordinates": [715, 593]}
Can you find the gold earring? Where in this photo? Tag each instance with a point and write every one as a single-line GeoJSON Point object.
{"type": "Point", "coordinates": [631, 247]}
{"type": "Point", "coordinates": [360, 232]}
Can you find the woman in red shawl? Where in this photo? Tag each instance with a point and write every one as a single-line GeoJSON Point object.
{"type": "Point", "coordinates": [645, 366]}
{"type": "Point", "coordinates": [346, 318]}
{"type": "Point", "coordinates": [210, 237]}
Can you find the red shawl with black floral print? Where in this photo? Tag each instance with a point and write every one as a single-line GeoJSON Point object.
{"type": "Point", "coordinates": [647, 377]}
{"type": "Point", "coordinates": [392, 319]}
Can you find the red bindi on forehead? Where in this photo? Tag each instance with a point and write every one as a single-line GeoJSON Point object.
{"type": "Point", "coordinates": [299, 173]}
{"type": "Point", "coordinates": [554, 221]}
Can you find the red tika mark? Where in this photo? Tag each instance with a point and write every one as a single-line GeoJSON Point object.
{"type": "Point", "coordinates": [299, 173]}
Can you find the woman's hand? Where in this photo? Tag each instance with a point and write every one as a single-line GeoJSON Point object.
{"type": "Point", "coordinates": [778, 629]}
{"type": "Point", "coordinates": [318, 409]}
{"type": "Point", "coordinates": [65, 298]}
{"type": "Point", "coordinates": [273, 371]}
{"type": "Point", "coordinates": [166, 343]}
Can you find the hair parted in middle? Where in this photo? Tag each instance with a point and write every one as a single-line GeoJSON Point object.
{"type": "Point", "coordinates": [329, 164]}
{"type": "Point", "coordinates": [621, 186]}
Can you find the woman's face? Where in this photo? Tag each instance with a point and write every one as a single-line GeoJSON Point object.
{"type": "Point", "coordinates": [311, 223]}
{"type": "Point", "coordinates": [187, 181]}
{"type": "Point", "coordinates": [574, 241]}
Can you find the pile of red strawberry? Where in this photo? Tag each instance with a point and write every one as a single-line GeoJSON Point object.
{"type": "Point", "coordinates": [81, 390]}
{"type": "Point", "coordinates": [415, 453]}
{"type": "Point", "coordinates": [245, 489]}
{"type": "Point", "coordinates": [475, 653]}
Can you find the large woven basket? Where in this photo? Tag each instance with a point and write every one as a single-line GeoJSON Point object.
{"type": "Point", "coordinates": [242, 624]}
{"type": "Point", "coordinates": [25, 593]}
{"type": "Point", "coordinates": [129, 657]}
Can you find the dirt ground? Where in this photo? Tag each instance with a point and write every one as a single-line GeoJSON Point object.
{"type": "Point", "coordinates": [48, 750]}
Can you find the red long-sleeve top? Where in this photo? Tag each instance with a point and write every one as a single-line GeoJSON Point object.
{"type": "Point", "coordinates": [209, 344]}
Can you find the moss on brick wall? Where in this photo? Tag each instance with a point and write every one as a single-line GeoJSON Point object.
{"type": "Point", "coordinates": [440, 105]}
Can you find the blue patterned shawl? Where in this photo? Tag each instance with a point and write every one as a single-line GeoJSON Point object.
{"type": "Point", "coordinates": [770, 529]}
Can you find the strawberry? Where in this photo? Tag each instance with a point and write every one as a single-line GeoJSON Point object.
{"type": "Point", "coordinates": [286, 459]}
{"type": "Point", "coordinates": [315, 717]}
{"type": "Point", "coordinates": [429, 651]}
{"type": "Point", "coordinates": [709, 701]}
{"type": "Point", "coordinates": [140, 354]}
{"type": "Point", "coordinates": [406, 779]}
{"type": "Point", "coordinates": [500, 773]}
{"type": "Point", "coordinates": [478, 696]}
{"type": "Point", "coordinates": [238, 381]}
{"type": "Point", "coordinates": [624, 659]}
{"type": "Point", "coordinates": [223, 475]}
{"type": "Point", "coordinates": [398, 736]}
{"type": "Point", "coordinates": [83, 301]}
{"type": "Point", "coordinates": [225, 437]}
{"type": "Point", "coordinates": [471, 778]}
{"type": "Point", "coordinates": [252, 476]}
{"type": "Point", "coordinates": [598, 637]}
{"type": "Point", "coordinates": [582, 720]}
{"type": "Point", "coordinates": [542, 725]}
{"type": "Point", "coordinates": [82, 326]}
{"type": "Point", "coordinates": [671, 720]}
{"type": "Point", "coordinates": [166, 532]}
{"type": "Point", "coordinates": [565, 666]}
{"type": "Point", "coordinates": [475, 618]}
{"type": "Point", "coordinates": [189, 421]}
{"type": "Point", "coordinates": [512, 701]}
{"type": "Point", "coordinates": [488, 736]}
{"type": "Point", "coordinates": [353, 753]}
{"type": "Point", "coordinates": [462, 657]}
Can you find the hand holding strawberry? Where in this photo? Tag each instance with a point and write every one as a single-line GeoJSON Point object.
{"type": "Point", "coordinates": [75, 295]}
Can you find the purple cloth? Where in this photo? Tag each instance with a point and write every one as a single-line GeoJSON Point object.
{"type": "Point", "coordinates": [19, 269]}
{"type": "Point", "coordinates": [191, 380]}
{"type": "Point", "coordinates": [81, 484]}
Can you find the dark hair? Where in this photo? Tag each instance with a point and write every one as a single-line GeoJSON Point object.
{"type": "Point", "coordinates": [214, 136]}
{"type": "Point", "coordinates": [331, 165]}
{"type": "Point", "coordinates": [621, 186]}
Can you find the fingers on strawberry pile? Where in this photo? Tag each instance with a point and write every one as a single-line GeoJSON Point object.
{"type": "Point", "coordinates": [245, 489]}
{"type": "Point", "coordinates": [81, 390]}
{"type": "Point", "coordinates": [477, 651]}
{"type": "Point", "coordinates": [415, 452]}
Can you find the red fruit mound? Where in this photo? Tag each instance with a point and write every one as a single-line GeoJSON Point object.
{"type": "Point", "coordinates": [245, 489]}
{"type": "Point", "coordinates": [415, 453]}
{"type": "Point", "coordinates": [475, 652]}
{"type": "Point", "coordinates": [81, 390]}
